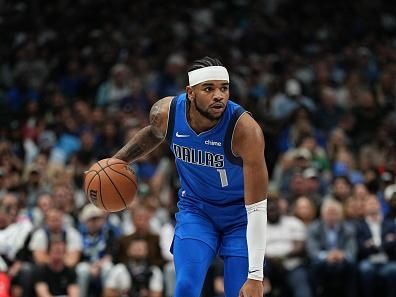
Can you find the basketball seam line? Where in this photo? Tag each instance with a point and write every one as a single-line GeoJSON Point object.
{"type": "Point", "coordinates": [91, 181]}
{"type": "Point", "coordinates": [123, 175]}
{"type": "Point", "coordinates": [122, 163]}
{"type": "Point", "coordinates": [97, 173]}
{"type": "Point", "coordinates": [100, 189]}
{"type": "Point", "coordinates": [107, 162]}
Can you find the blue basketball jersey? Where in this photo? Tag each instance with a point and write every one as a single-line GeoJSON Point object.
{"type": "Point", "coordinates": [208, 169]}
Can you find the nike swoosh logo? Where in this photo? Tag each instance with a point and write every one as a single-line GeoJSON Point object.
{"type": "Point", "coordinates": [182, 135]}
{"type": "Point", "coordinates": [253, 271]}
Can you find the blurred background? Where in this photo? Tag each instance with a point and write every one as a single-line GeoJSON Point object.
{"type": "Point", "coordinates": [77, 80]}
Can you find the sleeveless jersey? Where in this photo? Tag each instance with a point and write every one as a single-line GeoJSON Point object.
{"type": "Point", "coordinates": [208, 169]}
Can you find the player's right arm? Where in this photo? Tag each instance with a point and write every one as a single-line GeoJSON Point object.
{"type": "Point", "coordinates": [148, 138]}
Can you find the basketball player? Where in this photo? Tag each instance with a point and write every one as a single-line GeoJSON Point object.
{"type": "Point", "coordinates": [219, 153]}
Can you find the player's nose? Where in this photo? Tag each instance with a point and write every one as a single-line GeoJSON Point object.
{"type": "Point", "coordinates": [218, 95]}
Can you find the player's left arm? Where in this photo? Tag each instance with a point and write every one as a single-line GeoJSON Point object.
{"type": "Point", "coordinates": [249, 144]}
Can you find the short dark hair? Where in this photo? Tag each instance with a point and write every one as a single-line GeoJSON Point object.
{"type": "Point", "coordinates": [343, 177]}
{"type": "Point", "coordinates": [204, 62]}
{"type": "Point", "coordinates": [55, 242]}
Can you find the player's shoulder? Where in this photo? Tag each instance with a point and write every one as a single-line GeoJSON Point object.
{"type": "Point", "coordinates": [159, 114]}
{"type": "Point", "coordinates": [247, 128]}
{"type": "Point", "coordinates": [246, 120]}
{"type": "Point", "coordinates": [161, 106]}
{"type": "Point", "coordinates": [247, 137]}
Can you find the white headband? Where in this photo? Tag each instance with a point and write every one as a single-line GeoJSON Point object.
{"type": "Point", "coordinates": [208, 73]}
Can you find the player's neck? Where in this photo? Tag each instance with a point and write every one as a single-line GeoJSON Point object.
{"type": "Point", "coordinates": [197, 121]}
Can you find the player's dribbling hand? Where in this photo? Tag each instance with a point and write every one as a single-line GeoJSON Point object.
{"type": "Point", "coordinates": [252, 288]}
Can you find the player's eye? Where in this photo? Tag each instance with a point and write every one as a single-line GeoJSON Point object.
{"type": "Point", "coordinates": [224, 89]}
{"type": "Point", "coordinates": [208, 89]}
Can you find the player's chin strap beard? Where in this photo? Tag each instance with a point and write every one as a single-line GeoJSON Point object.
{"type": "Point", "coordinates": [200, 111]}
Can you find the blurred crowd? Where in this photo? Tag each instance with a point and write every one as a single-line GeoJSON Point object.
{"type": "Point", "coordinates": [77, 80]}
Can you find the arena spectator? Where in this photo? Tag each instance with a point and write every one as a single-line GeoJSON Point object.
{"type": "Point", "coordinates": [96, 255]}
{"type": "Point", "coordinates": [64, 198]}
{"type": "Point", "coordinates": [299, 126]}
{"type": "Point", "coordinates": [140, 216]}
{"type": "Point", "coordinates": [14, 229]}
{"type": "Point", "coordinates": [290, 163]}
{"type": "Point", "coordinates": [55, 229]}
{"type": "Point", "coordinates": [353, 209]}
{"type": "Point", "coordinates": [314, 185]}
{"type": "Point", "coordinates": [169, 80]}
{"type": "Point", "coordinates": [288, 102]}
{"type": "Point", "coordinates": [137, 276]}
{"type": "Point", "coordinates": [34, 184]}
{"type": "Point", "coordinates": [376, 248]}
{"type": "Point", "coordinates": [315, 144]}
{"type": "Point", "coordinates": [111, 92]}
{"type": "Point", "coordinates": [285, 266]}
{"type": "Point", "coordinates": [36, 247]}
{"type": "Point", "coordinates": [55, 278]}
{"type": "Point", "coordinates": [37, 214]}
{"type": "Point", "coordinates": [332, 248]}
{"type": "Point", "coordinates": [341, 188]}
{"type": "Point", "coordinates": [329, 112]}
{"type": "Point", "coordinates": [304, 209]}
{"type": "Point", "coordinates": [360, 192]}
{"type": "Point", "coordinates": [345, 164]}
{"type": "Point", "coordinates": [296, 187]}
{"type": "Point", "coordinates": [337, 141]}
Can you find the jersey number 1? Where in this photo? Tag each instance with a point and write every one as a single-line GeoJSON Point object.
{"type": "Point", "coordinates": [223, 177]}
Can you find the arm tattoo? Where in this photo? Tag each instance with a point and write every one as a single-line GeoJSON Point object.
{"type": "Point", "coordinates": [155, 115]}
{"type": "Point", "coordinates": [147, 139]}
{"type": "Point", "coordinates": [142, 143]}
{"type": "Point", "coordinates": [132, 151]}
{"type": "Point", "coordinates": [156, 119]}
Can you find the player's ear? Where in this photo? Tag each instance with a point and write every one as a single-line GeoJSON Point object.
{"type": "Point", "coordinates": [190, 93]}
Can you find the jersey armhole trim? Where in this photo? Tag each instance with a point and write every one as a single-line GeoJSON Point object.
{"type": "Point", "coordinates": [233, 131]}
{"type": "Point", "coordinates": [171, 120]}
{"type": "Point", "coordinates": [230, 135]}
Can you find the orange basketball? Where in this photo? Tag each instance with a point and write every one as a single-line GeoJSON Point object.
{"type": "Point", "coordinates": [110, 184]}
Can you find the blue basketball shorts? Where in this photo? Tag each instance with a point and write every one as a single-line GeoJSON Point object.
{"type": "Point", "coordinates": [222, 228]}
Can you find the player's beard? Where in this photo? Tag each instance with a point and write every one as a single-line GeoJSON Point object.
{"type": "Point", "coordinates": [206, 113]}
